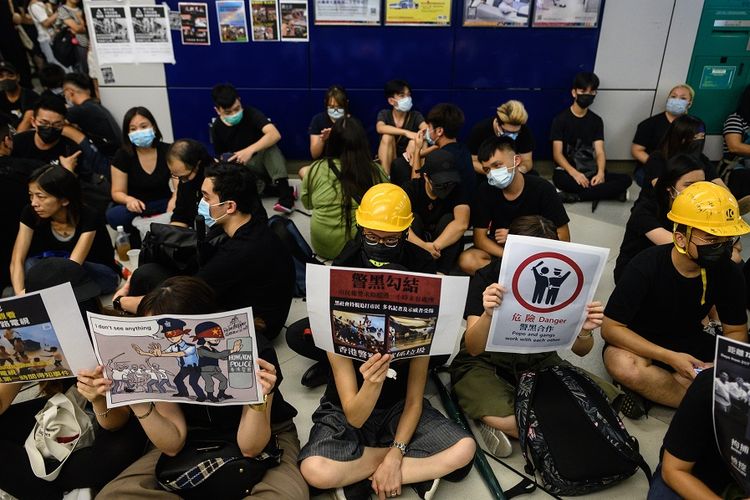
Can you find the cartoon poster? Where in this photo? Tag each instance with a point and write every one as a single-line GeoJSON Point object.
{"type": "Point", "coordinates": [294, 21]}
{"type": "Point", "coordinates": [264, 19]}
{"type": "Point", "coordinates": [497, 13]}
{"type": "Point", "coordinates": [111, 33]}
{"type": "Point", "coordinates": [360, 312]}
{"type": "Point", "coordinates": [43, 336]}
{"type": "Point", "coordinates": [152, 36]}
{"type": "Point", "coordinates": [232, 21]}
{"type": "Point", "coordinates": [202, 359]}
{"type": "Point", "coordinates": [347, 12]}
{"type": "Point", "coordinates": [566, 13]}
{"type": "Point", "coordinates": [418, 12]}
{"type": "Point", "coordinates": [730, 407]}
{"type": "Point", "coordinates": [194, 28]}
{"type": "Point", "coordinates": [548, 284]}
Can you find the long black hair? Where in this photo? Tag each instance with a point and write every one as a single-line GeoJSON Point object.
{"type": "Point", "coordinates": [680, 135]}
{"type": "Point", "coordinates": [61, 183]}
{"type": "Point", "coordinates": [676, 167]}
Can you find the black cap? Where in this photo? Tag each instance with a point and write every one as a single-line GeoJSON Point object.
{"type": "Point", "coordinates": [6, 66]}
{"type": "Point", "coordinates": [440, 167]}
{"type": "Point", "coordinates": [55, 271]}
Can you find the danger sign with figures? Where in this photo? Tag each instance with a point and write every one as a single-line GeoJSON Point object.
{"type": "Point", "coordinates": [547, 282]}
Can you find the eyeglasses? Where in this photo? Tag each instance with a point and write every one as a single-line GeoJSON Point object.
{"type": "Point", "coordinates": [52, 125]}
{"type": "Point", "coordinates": [718, 244]}
{"type": "Point", "coordinates": [184, 178]}
{"type": "Point", "coordinates": [374, 239]}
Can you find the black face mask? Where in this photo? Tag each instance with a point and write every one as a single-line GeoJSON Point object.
{"type": "Point", "coordinates": [8, 85]}
{"type": "Point", "coordinates": [696, 147]}
{"type": "Point", "coordinates": [380, 255]}
{"type": "Point", "coordinates": [49, 135]}
{"type": "Point", "coordinates": [711, 255]}
{"type": "Point", "coordinates": [585, 100]}
{"type": "Point", "coordinates": [442, 191]}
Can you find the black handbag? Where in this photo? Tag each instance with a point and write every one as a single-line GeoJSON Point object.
{"type": "Point", "coordinates": [173, 247]}
{"type": "Point", "coordinates": [64, 46]}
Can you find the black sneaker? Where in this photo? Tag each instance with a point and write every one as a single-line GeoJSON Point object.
{"type": "Point", "coordinates": [426, 489]}
{"type": "Point", "coordinates": [569, 197]}
{"type": "Point", "coordinates": [357, 491]}
{"type": "Point", "coordinates": [315, 376]}
{"type": "Point", "coordinates": [630, 404]}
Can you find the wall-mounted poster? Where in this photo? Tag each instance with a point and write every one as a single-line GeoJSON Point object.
{"type": "Point", "coordinates": [232, 21]}
{"type": "Point", "coordinates": [347, 12]}
{"type": "Point", "coordinates": [152, 36]}
{"type": "Point", "coordinates": [194, 28]}
{"type": "Point", "coordinates": [111, 38]}
{"type": "Point", "coordinates": [418, 12]}
{"type": "Point", "coordinates": [497, 13]}
{"type": "Point", "coordinates": [264, 19]}
{"type": "Point", "coordinates": [566, 13]}
{"type": "Point", "coordinates": [294, 21]}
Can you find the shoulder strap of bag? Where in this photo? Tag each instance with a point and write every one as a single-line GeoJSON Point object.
{"type": "Point", "coordinates": [337, 173]}
{"type": "Point", "coordinates": [527, 383]}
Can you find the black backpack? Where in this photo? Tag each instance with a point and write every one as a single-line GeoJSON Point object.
{"type": "Point", "coordinates": [570, 434]}
{"type": "Point", "coordinates": [64, 45]}
{"type": "Point", "coordinates": [301, 252]}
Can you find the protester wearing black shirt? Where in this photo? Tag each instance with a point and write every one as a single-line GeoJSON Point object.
{"type": "Point", "coordinates": [507, 194]}
{"type": "Point", "coordinates": [336, 104]}
{"type": "Point", "coordinates": [16, 102]}
{"type": "Point", "coordinates": [510, 121]}
{"type": "Point", "coordinates": [653, 319]}
{"type": "Point", "coordinates": [89, 115]}
{"type": "Point", "coordinates": [187, 160]}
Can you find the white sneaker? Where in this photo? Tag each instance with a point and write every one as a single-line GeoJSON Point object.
{"type": "Point", "coordinates": [495, 440]}
{"type": "Point", "coordinates": [423, 492]}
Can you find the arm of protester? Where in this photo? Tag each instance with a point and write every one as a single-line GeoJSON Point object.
{"type": "Point", "coordinates": [678, 476]}
{"type": "Point", "coordinates": [483, 242]}
{"type": "Point", "coordinates": [359, 403]}
{"type": "Point", "coordinates": [562, 162]}
{"type": "Point", "coordinates": [455, 229]}
{"type": "Point", "coordinates": [318, 143]}
{"type": "Point", "coordinates": [129, 304]}
{"type": "Point", "coordinates": [164, 424]}
{"type": "Point", "coordinates": [8, 393]}
{"type": "Point", "coordinates": [18, 258]}
{"type": "Point", "coordinates": [735, 332]}
{"type": "Point", "coordinates": [638, 152]}
{"type": "Point", "coordinates": [659, 236]}
{"type": "Point", "coordinates": [426, 245]}
{"type": "Point", "coordinates": [563, 232]}
{"type": "Point", "coordinates": [478, 327]}
{"type": "Point", "coordinates": [120, 192]}
{"type": "Point", "coordinates": [81, 250]}
{"type": "Point", "coordinates": [271, 136]}
{"type": "Point", "coordinates": [735, 144]}
{"type": "Point", "coordinates": [383, 129]}
{"type": "Point", "coordinates": [254, 431]}
{"type": "Point", "coordinates": [601, 163]}
{"type": "Point", "coordinates": [25, 123]}
{"type": "Point", "coordinates": [93, 386]}
{"type": "Point", "coordinates": [585, 340]}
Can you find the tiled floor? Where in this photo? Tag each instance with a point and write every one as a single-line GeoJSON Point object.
{"type": "Point", "coordinates": [603, 228]}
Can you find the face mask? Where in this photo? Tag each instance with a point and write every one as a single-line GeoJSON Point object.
{"type": "Point", "coordinates": [500, 177]}
{"type": "Point", "coordinates": [8, 85]}
{"type": "Point", "coordinates": [404, 104]}
{"type": "Point", "coordinates": [711, 255]}
{"type": "Point", "coordinates": [428, 137]}
{"type": "Point", "coordinates": [696, 147]}
{"type": "Point", "coordinates": [443, 190]}
{"type": "Point", "coordinates": [585, 100]}
{"type": "Point", "coordinates": [335, 113]}
{"type": "Point", "coordinates": [49, 135]}
{"type": "Point", "coordinates": [204, 209]}
{"type": "Point", "coordinates": [677, 106]}
{"type": "Point", "coordinates": [142, 138]}
{"type": "Point", "coordinates": [380, 255]}
{"type": "Point", "coordinates": [232, 120]}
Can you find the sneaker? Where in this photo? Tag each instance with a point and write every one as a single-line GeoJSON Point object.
{"type": "Point", "coordinates": [569, 197]}
{"type": "Point", "coordinates": [497, 443]}
{"type": "Point", "coordinates": [630, 404]}
{"type": "Point", "coordinates": [624, 196]}
{"type": "Point", "coordinates": [356, 491]}
{"type": "Point", "coordinates": [278, 207]}
{"type": "Point", "coordinates": [426, 489]}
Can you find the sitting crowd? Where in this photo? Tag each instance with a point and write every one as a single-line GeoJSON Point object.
{"type": "Point", "coordinates": [427, 203]}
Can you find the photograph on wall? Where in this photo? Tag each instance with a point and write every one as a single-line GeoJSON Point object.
{"type": "Point", "coordinates": [294, 21]}
{"type": "Point", "coordinates": [152, 36]}
{"type": "Point", "coordinates": [730, 407]}
{"type": "Point", "coordinates": [201, 359]}
{"type": "Point", "coordinates": [264, 20]}
{"type": "Point", "coordinates": [174, 20]}
{"type": "Point", "coordinates": [111, 34]}
{"type": "Point", "coordinates": [548, 284]}
{"type": "Point", "coordinates": [418, 12]}
{"type": "Point", "coordinates": [497, 13]}
{"type": "Point", "coordinates": [43, 337]}
{"type": "Point", "coordinates": [194, 24]}
{"type": "Point", "coordinates": [359, 312]}
{"type": "Point", "coordinates": [347, 12]}
{"type": "Point", "coordinates": [566, 13]}
{"type": "Point", "coordinates": [232, 21]}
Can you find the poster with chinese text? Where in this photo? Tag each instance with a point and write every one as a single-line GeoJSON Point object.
{"type": "Point", "coordinates": [497, 13]}
{"type": "Point", "coordinates": [548, 284]}
{"type": "Point", "coordinates": [151, 34]}
{"type": "Point", "coordinates": [418, 12]}
{"type": "Point", "coordinates": [232, 21]}
{"type": "Point", "coordinates": [566, 14]}
{"type": "Point", "coordinates": [194, 28]}
{"type": "Point", "coordinates": [112, 39]}
{"type": "Point", "coordinates": [359, 312]}
{"type": "Point", "coordinates": [347, 12]}
{"type": "Point", "coordinates": [264, 19]}
{"type": "Point", "coordinates": [294, 21]}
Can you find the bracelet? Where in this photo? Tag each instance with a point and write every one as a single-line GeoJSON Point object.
{"type": "Point", "coordinates": [150, 409]}
{"type": "Point", "coordinates": [103, 414]}
{"type": "Point", "coordinates": [400, 446]}
{"type": "Point", "coordinates": [260, 406]}
{"type": "Point", "coordinates": [586, 334]}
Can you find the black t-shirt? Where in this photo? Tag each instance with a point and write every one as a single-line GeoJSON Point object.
{"type": "Point", "coordinates": [651, 132]}
{"type": "Point", "coordinates": [253, 269]}
{"type": "Point", "coordinates": [464, 166]}
{"type": "Point", "coordinates": [479, 282]}
{"type": "Point", "coordinates": [492, 210]}
{"type": "Point", "coordinates": [24, 147]}
{"type": "Point", "coordinates": [249, 131]}
{"type": "Point", "coordinates": [14, 111]}
{"type": "Point", "coordinates": [141, 185]}
{"type": "Point", "coordinates": [318, 123]}
{"type": "Point", "coordinates": [485, 130]}
{"type": "Point", "coordinates": [226, 419]}
{"type": "Point", "coordinates": [188, 196]}
{"type": "Point", "coordinates": [575, 132]}
{"type": "Point", "coordinates": [412, 122]}
{"type": "Point", "coordinates": [44, 240]}
{"type": "Point", "coordinates": [643, 218]}
{"type": "Point", "coordinates": [655, 301]}
{"type": "Point", "coordinates": [413, 258]}
{"type": "Point", "coordinates": [690, 436]}
{"type": "Point", "coordinates": [98, 125]}
{"type": "Point", "coordinates": [431, 210]}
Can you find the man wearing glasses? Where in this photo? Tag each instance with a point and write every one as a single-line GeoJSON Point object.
{"type": "Point", "coordinates": [656, 343]}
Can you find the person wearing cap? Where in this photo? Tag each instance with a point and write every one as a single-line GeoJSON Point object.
{"type": "Point", "coordinates": [506, 195]}
{"type": "Point", "coordinates": [655, 340]}
{"type": "Point", "coordinates": [209, 335]}
{"type": "Point", "coordinates": [16, 102]}
{"type": "Point", "coordinates": [440, 208]}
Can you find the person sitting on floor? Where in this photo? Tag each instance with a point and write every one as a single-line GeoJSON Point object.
{"type": "Point", "coordinates": [397, 125]}
{"type": "Point", "coordinates": [187, 161]}
{"type": "Point", "coordinates": [336, 107]}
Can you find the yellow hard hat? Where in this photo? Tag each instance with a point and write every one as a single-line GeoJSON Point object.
{"type": "Point", "coordinates": [710, 208]}
{"type": "Point", "coordinates": [385, 207]}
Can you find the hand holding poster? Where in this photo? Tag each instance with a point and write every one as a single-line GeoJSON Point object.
{"type": "Point", "coordinates": [209, 359]}
{"type": "Point", "coordinates": [359, 312]}
{"type": "Point", "coordinates": [43, 337]}
{"type": "Point", "coordinates": [548, 284]}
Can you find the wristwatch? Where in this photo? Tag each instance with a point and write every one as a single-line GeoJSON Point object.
{"type": "Point", "coordinates": [400, 446]}
{"type": "Point", "coordinates": [116, 304]}
{"type": "Point", "coordinates": [260, 406]}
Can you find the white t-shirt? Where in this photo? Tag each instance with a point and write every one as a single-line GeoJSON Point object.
{"type": "Point", "coordinates": [39, 15]}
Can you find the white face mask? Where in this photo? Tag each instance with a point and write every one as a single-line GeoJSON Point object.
{"type": "Point", "coordinates": [501, 177]}
{"type": "Point", "coordinates": [404, 104]}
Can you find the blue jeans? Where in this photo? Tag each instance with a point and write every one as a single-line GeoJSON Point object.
{"type": "Point", "coordinates": [659, 489]}
{"type": "Point", "coordinates": [119, 215]}
{"type": "Point", "coordinates": [102, 275]}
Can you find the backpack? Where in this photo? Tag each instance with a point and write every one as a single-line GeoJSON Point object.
{"type": "Point", "coordinates": [64, 45]}
{"type": "Point", "coordinates": [569, 432]}
{"type": "Point", "coordinates": [301, 252]}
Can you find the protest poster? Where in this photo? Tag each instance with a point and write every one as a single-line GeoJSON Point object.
{"type": "Point", "coordinates": [497, 13]}
{"type": "Point", "coordinates": [418, 12]}
{"type": "Point", "coordinates": [43, 337]}
{"type": "Point", "coordinates": [566, 14]}
{"type": "Point", "coordinates": [730, 407]}
{"type": "Point", "coordinates": [548, 284]}
{"type": "Point", "coordinates": [111, 33]}
{"type": "Point", "coordinates": [232, 21]}
{"type": "Point", "coordinates": [151, 34]}
{"type": "Point", "coordinates": [201, 359]}
{"type": "Point", "coordinates": [174, 20]}
{"type": "Point", "coordinates": [359, 312]}
{"type": "Point", "coordinates": [264, 19]}
{"type": "Point", "coordinates": [347, 12]}
{"type": "Point", "coordinates": [294, 21]}
{"type": "Point", "coordinates": [194, 28]}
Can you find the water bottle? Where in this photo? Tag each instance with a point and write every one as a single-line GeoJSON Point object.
{"type": "Point", "coordinates": [122, 244]}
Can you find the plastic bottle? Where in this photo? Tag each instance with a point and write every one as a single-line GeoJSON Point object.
{"type": "Point", "coordinates": [122, 244]}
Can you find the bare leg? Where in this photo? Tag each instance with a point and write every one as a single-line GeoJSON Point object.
{"type": "Point", "coordinates": [387, 152]}
{"type": "Point", "coordinates": [472, 260]}
{"type": "Point", "coordinates": [508, 424]}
